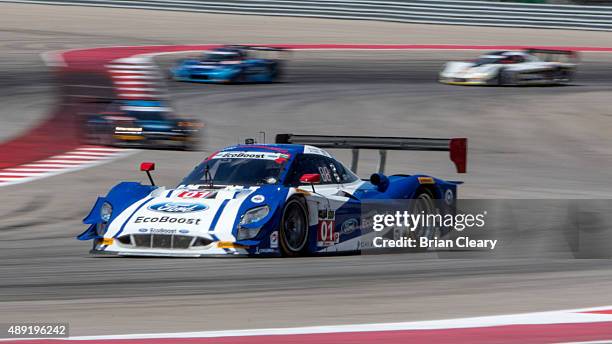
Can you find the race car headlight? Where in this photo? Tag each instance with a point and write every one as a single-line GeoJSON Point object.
{"type": "Point", "coordinates": [247, 233]}
{"type": "Point", "coordinates": [255, 215]}
{"type": "Point", "coordinates": [106, 211]}
{"type": "Point", "coordinates": [479, 75]}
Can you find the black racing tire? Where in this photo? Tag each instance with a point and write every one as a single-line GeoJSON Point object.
{"type": "Point", "coordinates": [276, 72]}
{"type": "Point", "coordinates": [191, 145]}
{"type": "Point", "coordinates": [294, 229]}
{"type": "Point", "coordinates": [565, 76]}
{"type": "Point", "coordinates": [505, 78]}
{"type": "Point", "coordinates": [108, 138]}
{"type": "Point", "coordinates": [423, 201]}
{"type": "Point", "coordinates": [496, 80]}
{"type": "Point", "coordinates": [238, 78]}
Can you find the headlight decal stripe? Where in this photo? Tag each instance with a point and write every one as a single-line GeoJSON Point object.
{"type": "Point", "coordinates": [218, 214]}
{"type": "Point", "coordinates": [132, 214]}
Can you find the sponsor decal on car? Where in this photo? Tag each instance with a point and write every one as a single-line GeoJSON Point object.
{"type": "Point", "coordinates": [365, 244]}
{"type": "Point", "coordinates": [176, 207]}
{"type": "Point", "coordinates": [250, 155]}
{"type": "Point", "coordinates": [426, 180]}
{"type": "Point", "coordinates": [326, 214]}
{"type": "Point", "coordinates": [195, 194]}
{"type": "Point", "coordinates": [258, 199]}
{"type": "Point", "coordinates": [167, 219]}
{"type": "Point", "coordinates": [162, 231]}
{"type": "Point", "coordinates": [448, 196]}
{"type": "Point", "coordinates": [315, 150]}
{"type": "Point", "coordinates": [265, 250]}
{"type": "Point", "coordinates": [274, 239]}
{"type": "Point", "coordinates": [349, 226]}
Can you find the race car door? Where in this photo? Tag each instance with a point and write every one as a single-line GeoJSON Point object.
{"type": "Point", "coordinates": [337, 210]}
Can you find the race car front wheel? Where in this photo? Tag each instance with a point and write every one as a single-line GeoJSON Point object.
{"type": "Point", "coordinates": [564, 75]}
{"type": "Point", "coordinates": [505, 77]}
{"type": "Point", "coordinates": [294, 229]}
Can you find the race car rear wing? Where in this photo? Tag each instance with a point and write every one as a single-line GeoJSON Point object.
{"type": "Point", "coordinates": [263, 51]}
{"type": "Point", "coordinates": [253, 47]}
{"type": "Point", "coordinates": [456, 146]}
{"type": "Point", "coordinates": [553, 55]}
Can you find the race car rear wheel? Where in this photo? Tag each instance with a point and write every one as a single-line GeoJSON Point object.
{"type": "Point", "coordinates": [423, 203]}
{"type": "Point", "coordinates": [275, 72]}
{"type": "Point", "coordinates": [294, 229]}
{"type": "Point", "coordinates": [238, 78]}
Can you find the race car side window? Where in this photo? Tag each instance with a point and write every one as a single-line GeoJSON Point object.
{"type": "Point", "coordinates": [513, 59]}
{"type": "Point", "coordinates": [313, 163]}
{"type": "Point", "coordinates": [344, 174]}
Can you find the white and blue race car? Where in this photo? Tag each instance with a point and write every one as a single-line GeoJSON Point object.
{"type": "Point", "coordinates": [524, 67]}
{"type": "Point", "coordinates": [291, 198]}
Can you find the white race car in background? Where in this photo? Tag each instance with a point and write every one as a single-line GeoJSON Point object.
{"type": "Point", "coordinates": [527, 67]}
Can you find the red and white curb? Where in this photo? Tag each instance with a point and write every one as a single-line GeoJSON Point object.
{"type": "Point", "coordinates": [137, 78]}
{"type": "Point", "coordinates": [77, 159]}
{"type": "Point", "coordinates": [578, 325]}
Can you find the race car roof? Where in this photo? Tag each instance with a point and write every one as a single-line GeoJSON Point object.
{"type": "Point", "coordinates": [504, 53]}
{"type": "Point", "coordinates": [291, 149]}
{"type": "Point", "coordinates": [144, 105]}
{"type": "Point", "coordinates": [223, 52]}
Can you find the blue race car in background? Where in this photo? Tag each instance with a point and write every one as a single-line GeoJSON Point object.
{"type": "Point", "coordinates": [284, 199]}
{"type": "Point", "coordinates": [230, 64]}
{"type": "Point", "coordinates": [142, 124]}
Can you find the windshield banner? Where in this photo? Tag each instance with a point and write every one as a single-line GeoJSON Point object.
{"type": "Point", "coordinates": [250, 155]}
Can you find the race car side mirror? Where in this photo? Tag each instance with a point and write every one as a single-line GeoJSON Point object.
{"type": "Point", "coordinates": [380, 180]}
{"type": "Point", "coordinates": [148, 167]}
{"type": "Point", "coordinates": [311, 178]}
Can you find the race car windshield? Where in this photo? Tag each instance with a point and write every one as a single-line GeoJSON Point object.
{"type": "Point", "coordinates": [487, 60]}
{"type": "Point", "coordinates": [236, 171]}
{"type": "Point", "coordinates": [217, 57]}
{"type": "Point", "coordinates": [149, 115]}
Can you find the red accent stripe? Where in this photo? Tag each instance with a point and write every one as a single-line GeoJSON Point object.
{"type": "Point", "coordinates": [603, 311]}
{"type": "Point", "coordinates": [512, 334]}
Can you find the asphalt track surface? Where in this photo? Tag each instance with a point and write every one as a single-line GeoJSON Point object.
{"type": "Point", "coordinates": [534, 142]}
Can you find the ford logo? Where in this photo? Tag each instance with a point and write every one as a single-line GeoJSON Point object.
{"type": "Point", "coordinates": [176, 207]}
{"type": "Point", "coordinates": [349, 226]}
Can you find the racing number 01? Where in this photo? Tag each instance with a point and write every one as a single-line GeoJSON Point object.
{"type": "Point", "coordinates": [326, 235]}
